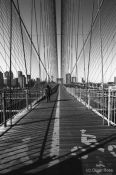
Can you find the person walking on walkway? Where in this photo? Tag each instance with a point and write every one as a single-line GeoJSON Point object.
{"type": "Point", "coordinates": [48, 93]}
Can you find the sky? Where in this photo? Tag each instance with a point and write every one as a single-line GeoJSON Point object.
{"type": "Point", "coordinates": [94, 52]}
{"type": "Point", "coordinates": [71, 37]}
{"type": "Point", "coordinates": [58, 14]}
{"type": "Point", "coordinates": [25, 9]}
{"type": "Point", "coordinates": [26, 15]}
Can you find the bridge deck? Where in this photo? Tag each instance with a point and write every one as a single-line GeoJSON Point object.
{"type": "Point", "coordinates": [63, 133]}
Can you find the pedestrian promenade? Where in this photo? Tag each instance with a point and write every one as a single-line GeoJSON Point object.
{"type": "Point", "coordinates": [58, 137]}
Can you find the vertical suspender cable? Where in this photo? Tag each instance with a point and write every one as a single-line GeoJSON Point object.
{"type": "Point", "coordinates": [75, 34]}
{"type": "Point", "coordinates": [40, 38]}
{"type": "Point", "coordinates": [77, 39]}
{"type": "Point", "coordinates": [72, 32]}
{"type": "Point", "coordinates": [95, 18]}
{"type": "Point", "coordinates": [90, 45]}
{"type": "Point", "coordinates": [23, 44]}
{"type": "Point", "coordinates": [69, 36]}
{"type": "Point", "coordinates": [37, 36]}
{"type": "Point", "coordinates": [3, 35]}
{"type": "Point", "coordinates": [31, 36]}
{"type": "Point", "coordinates": [68, 39]}
{"type": "Point", "coordinates": [43, 34]}
{"type": "Point", "coordinates": [47, 44]}
{"type": "Point", "coordinates": [62, 37]}
{"type": "Point", "coordinates": [55, 21]}
{"type": "Point", "coordinates": [101, 51]}
{"type": "Point", "coordinates": [45, 39]}
{"type": "Point", "coordinates": [83, 51]}
{"type": "Point", "coordinates": [11, 27]}
{"type": "Point", "coordinates": [101, 44]}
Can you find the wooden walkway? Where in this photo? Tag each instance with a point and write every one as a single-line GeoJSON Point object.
{"type": "Point", "coordinates": [59, 137]}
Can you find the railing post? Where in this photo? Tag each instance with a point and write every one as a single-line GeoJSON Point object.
{"type": "Point", "coordinates": [3, 106]}
{"type": "Point", "coordinates": [109, 105]}
{"type": "Point", "coordinates": [80, 94]}
{"type": "Point", "coordinates": [88, 98]}
{"type": "Point", "coordinates": [27, 98]}
{"type": "Point", "coordinates": [75, 91]}
{"type": "Point", "coordinates": [30, 96]}
{"type": "Point", "coordinates": [43, 93]}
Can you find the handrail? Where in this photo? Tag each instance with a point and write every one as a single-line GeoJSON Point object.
{"type": "Point", "coordinates": [104, 106]}
{"type": "Point", "coordinates": [21, 100]}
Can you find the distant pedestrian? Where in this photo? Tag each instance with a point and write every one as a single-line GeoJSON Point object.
{"type": "Point", "coordinates": [48, 93]}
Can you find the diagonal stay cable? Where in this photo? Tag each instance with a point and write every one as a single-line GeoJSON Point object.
{"type": "Point", "coordinates": [90, 45]}
{"type": "Point", "coordinates": [77, 38]}
{"type": "Point", "coordinates": [30, 37]}
{"type": "Point", "coordinates": [87, 36]}
{"type": "Point", "coordinates": [22, 40]}
{"type": "Point", "coordinates": [36, 25]}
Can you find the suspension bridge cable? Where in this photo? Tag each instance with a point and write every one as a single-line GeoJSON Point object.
{"type": "Point", "coordinates": [3, 35]}
{"type": "Point", "coordinates": [77, 48]}
{"type": "Point", "coordinates": [41, 10]}
{"type": "Point", "coordinates": [7, 54]}
{"type": "Point", "coordinates": [37, 36]}
{"type": "Point", "coordinates": [7, 47]}
{"type": "Point", "coordinates": [105, 52]}
{"type": "Point", "coordinates": [109, 43]}
{"type": "Point", "coordinates": [16, 40]}
{"type": "Point", "coordinates": [11, 27]}
{"type": "Point", "coordinates": [72, 33]}
{"type": "Point", "coordinates": [112, 74]}
{"type": "Point", "coordinates": [29, 37]}
{"type": "Point", "coordinates": [83, 50]}
{"type": "Point", "coordinates": [46, 7]}
{"type": "Point", "coordinates": [69, 37]}
{"type": "Point", "coordinates": [102, 49]}
{"type": "Point", "coordinates": [106, 61]}
{"type": "Point", "coordinates": [90, 44]}
{"type": "Point", "coordinates": [23, 43]}
{"type": "Point", "coordinates": [55, 21]}
{"type": "Point", "coordinates": [63, 21]}
{"type": "Point", "coordinates": [104, 65]}
{"type": "Point", "coordinates": [76, 5]}
{"type": "Point", "coordinates": [88, 35]}
{"type": "Point", "coordinates": [53, 52]}
{"type": "Point", "coordinates": [62, 37]}
{"type": "Point", "coordinates": [47, 37]}
{"type": "Point", "coordinates": [101, 52]}
{"type": "Point", "coordinates": [44, 36]}
{"type": "Point", "coordinates": [40, 39]}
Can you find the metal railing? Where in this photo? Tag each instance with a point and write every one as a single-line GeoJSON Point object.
{"type": "Point", "coordinates": [14, 102]}
{"type": "Point", "coordinates": [102, 102]}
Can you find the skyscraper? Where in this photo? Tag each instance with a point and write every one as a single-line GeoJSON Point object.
{"type": "Point", "coordinates": [68, 78]}
{"type": "Point", "coordinates": [1, 80]}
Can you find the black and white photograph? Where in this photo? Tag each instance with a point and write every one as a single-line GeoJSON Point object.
{"type": "Point", "coordinates": [57, 87]}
